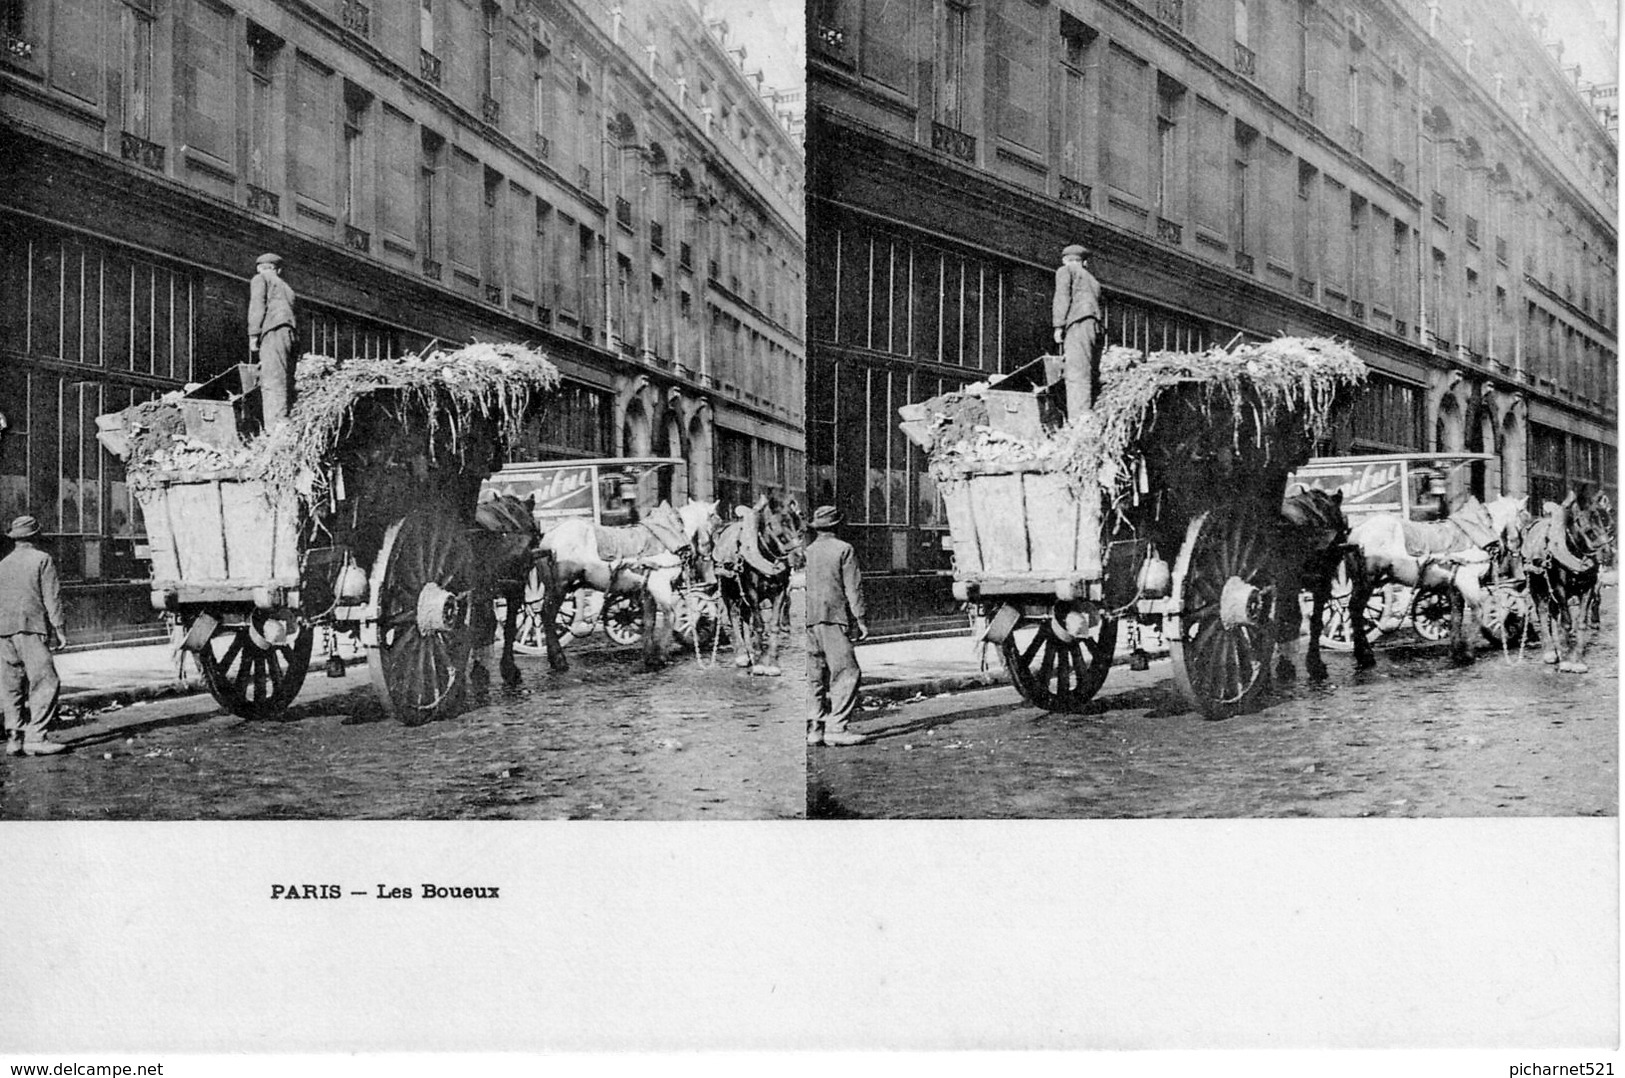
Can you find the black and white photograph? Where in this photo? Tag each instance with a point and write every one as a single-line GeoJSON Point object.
{"type": "Point", "coordinates": [1247, 372]}
{"type": "Point", "coordinates": [402, 411]}
{"type": "Point", "coordinates": [834, 528]}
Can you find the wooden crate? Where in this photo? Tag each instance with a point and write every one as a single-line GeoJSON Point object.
{"type": "Point", "coordinates": [216, 532]}
{"type": "Point", "coordinates": [1022, 524]}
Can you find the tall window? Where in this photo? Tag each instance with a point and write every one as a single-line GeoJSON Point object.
{"type": "Point", "coordinates": [1018, 45]}
{"type": "Point", "coordinates": [426, 25]}
{"type": "Point", "coordinates": [138, 72]}
{"type": "Point", "coordinates": [489, 63]}
{"type": "Point", "coordinates": [1304, 43]}
{"type": "Point", "coordinates": [1074, 134]}
{"type": "Point", "coordinates": [1241, 182]}
{"type": "Point", "coordinates": [356, 186]}
{"type": "Point", "coordinates": [1170, 191]}
{"type": "Point", "coordinates": [1241, 24]}
{"type": "Point", "coordinates": [315, 154]}
{"type": "Point", "coordinates": [951, 64]}
{"type": "Point", "coordinates": [262, 51]}
{"type": "Point", "coordinates": [1125, 163]}
{"type": "Point", "coordinates": [429, 193]}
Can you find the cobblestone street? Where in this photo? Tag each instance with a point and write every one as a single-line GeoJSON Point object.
{"type": "Point", "coordinates": [1415, 736]}
{"type": "Point", "coordinates": [604, 741]}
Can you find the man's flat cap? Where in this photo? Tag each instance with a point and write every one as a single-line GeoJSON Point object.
{"type": "Point", "coordinates": [1075, 249]}
{"type": "Point", "coordinates": [275, 260]}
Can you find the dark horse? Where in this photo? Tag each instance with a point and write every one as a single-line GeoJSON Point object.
{"type": "Point", "coordinates": [505, 549]}
{"type": "Point", "coordinates": [1313, 542]}
{"type": "Point", "coordinates": [1560, 555]}
{"type": "Point", "coordinates": [755, 556]}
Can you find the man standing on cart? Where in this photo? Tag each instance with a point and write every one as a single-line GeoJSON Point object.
{"type": "Point", "coordinates": [270, 336]}
{"type": "Point", "coordinates": [1076, 318]}
{"type": "Point", "coordinates": [835, 621]}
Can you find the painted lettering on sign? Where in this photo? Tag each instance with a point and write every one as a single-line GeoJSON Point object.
{"type": "Point", "coordinates": [1364, 487]}
{"type": "Point", "coordinates": [562, 491]}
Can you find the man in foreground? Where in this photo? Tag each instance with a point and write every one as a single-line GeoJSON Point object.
{"type": "Point", "coordinates": [30, 614]}
{"type": "Point", "coordinates": [835, 621]}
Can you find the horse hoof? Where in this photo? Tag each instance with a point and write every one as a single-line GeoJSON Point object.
{"type": "Point", "coordinates": [1574, 667]}
{"type": "Point", "coordinates": [559, 665]}
{"type": "Point", "coordinates": [510, 675]}
{"type": "Point", "coordinates": [1365, 662]}
{"type": "Point", "coordinates": [479, 680]}
{"type": "Point", "coordinates": [1285, 671]}
{"type": "Point", "coordinates": [1549, 658]}
{"type": "Point", "coordinates": [766, 671]}
{"type": "Point", "coordinates": [1317, 671]}
{"type": "Point", "coordinates": [743, 661]}
{"type": "Point", "coordinates": [1461, 658]}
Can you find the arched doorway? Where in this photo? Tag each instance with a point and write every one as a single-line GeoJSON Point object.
{"type": "Point", "coordinates": [701, 480]}
{"type": "Point", "coordinates": [674, 482]}
{"type": "Point", "coordinates": [636, 437]}
{"type": "Point", "coordinates": [1514, 471]}
{"type": "Point", "coordinates": [1487, 474]}
{"type": "Point", "coordinates": [1450, 436]}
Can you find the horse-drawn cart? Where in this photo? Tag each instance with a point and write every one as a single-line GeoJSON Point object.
{"type": "Point", "coordinates": [1057, 537]}
{"type": "Point", "coordinates": [357, 514]}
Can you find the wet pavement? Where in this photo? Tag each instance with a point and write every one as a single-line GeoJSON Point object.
{"type": "Point", "coordinates": [1415, 736]}
{"type": "Point", "coordinates": [606, 740]}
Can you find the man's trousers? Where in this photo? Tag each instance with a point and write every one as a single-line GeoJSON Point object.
{"type": "Point", "coordinates": [28, 682]}
{"type": "Point", "coordinates": [833, 673]}
{"type": "Point", "coordinates": [1078, 352]}
{"type": "Point", "coordinates": [276, 374]}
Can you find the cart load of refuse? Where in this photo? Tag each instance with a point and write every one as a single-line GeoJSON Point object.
{"type": "Point", "coordinates": [1026, 489]}
{"type": "Point", "coordinates": [436, 396]}
{"type": "Point", "coordinates": [1249, 387]}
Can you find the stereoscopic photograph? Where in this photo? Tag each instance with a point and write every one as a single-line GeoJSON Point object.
{"type": "Point", "coordinates": [402, 410]}
{"type": "Point", "coordinates": [940, 411]}
{"type": "Point", "coordinates": [1246, 372]}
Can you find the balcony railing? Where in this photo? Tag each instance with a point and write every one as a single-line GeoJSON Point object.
{"type": "Point", "coordinates": [544, 146]}
{"type": "Point", "coordinates": [1077, 191]}
{"type": "Point", "coordinates": [429, 67]}
{"type": "Point", "coordinates": [1244, 262]}
{"type": "Point", "coordinates": [432, 269]}
{"type": "Point", "coordinates": [493, 294]}
{"type": "Point", "coordinates": [583, 177]}
{"type": "Point", "coordinates": [1396, 168]}
{"type": "Point", "coordinates": [1306, 104]}
{"type": "Point", "coordinates": [953, 142]}
{"type": "Point", "coordinates": [355, 17]}
{"type": "Point", "coordinates": [357, 240]}
{"type": "Point", "coordinates": [1170, 232]}
{"type": "Point", "coordinates": [144, 153]}
{"type": "Point", "coordinates": [1470, 226]}
{"type": "Point", "coordinates": [1306, 288]}
{"type": "Point", "coordinates": [1356, 140]}
{"type": "Point", "coordinates": [1402, 328]}
{"type": "Point", "coordinates": [1439, 206]}
{"type": "Point", "coordinates": [623, 212]}
{"type": "Point", "coordinates": [1357, 310]}
{"type": "Point", "coordinates": [490, 109]}
{"type": "Point", "coordinates": [1246, 61]}
{"type": "Point", "coordinates": [733, 285]}
{"type": "Point", "coordinates": [1172, 12]}
{"type": "Point", "coordinates": [262, 201]}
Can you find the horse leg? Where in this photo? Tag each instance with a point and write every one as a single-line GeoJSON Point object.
{"type": "Point", "coordinates": [1359, 597]}
{"type": "Point", "coordinates": [660, 610]}
{"type": "Point", "coordinates": [1459, 652]}
{"type": "Point", "coordinates": [1288, 621]}
{"type": "Point", "coordinates": [553, 592]}
{"type": "Point", "coordinates": [1317, 623]}
{"type": "Point", "coordinates": [771, 630]}
{"type": "Point", "coordinates": [739, 622]}
{"type": "Point", "coordinates": [514, 598]}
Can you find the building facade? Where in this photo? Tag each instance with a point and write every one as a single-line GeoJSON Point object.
{"type": "Point", "coordinates": [604, 182]}
{"type": "Point", "coordinates": [1423, 180]}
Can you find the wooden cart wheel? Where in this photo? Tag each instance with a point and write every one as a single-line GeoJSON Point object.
{"type": "Point", "coordinates": [1221, 633]}
{"type": "Point", "coordinates": [423, 584]}
{"type": "Point", "coordinates": [1337, 628]}
{"type": "Point", "coordinates": [623, 618]}
{"type": "Point", "coordinates": [530, 639]}
{"type": "Point", "coordinates": [1431, 614]}
{"type": "Point", "coordinates": [1053, 672]}
{"type": "Point", "coordinates": [248, 674]}
{"type": "Point", "coordinates": [697, 617]}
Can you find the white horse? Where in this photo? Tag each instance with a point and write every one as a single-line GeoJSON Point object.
{"type": "Point", "coordinates": [1448, 553]}
{"type": "Point", "coordinates": [644, 559]}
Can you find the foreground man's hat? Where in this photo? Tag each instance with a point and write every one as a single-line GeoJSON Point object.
{"type": "Point", "coordinates": [1075, 249]}
{"type": "Point", "coordinates": [275, 260]}
{"type": "Point", "coordinates": [825, 516]}
{"type": "Point", "coordinates": [24, 527]}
